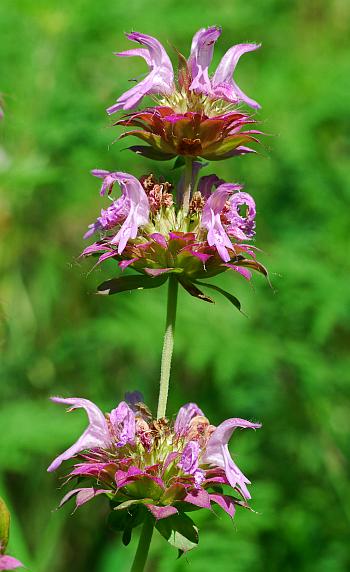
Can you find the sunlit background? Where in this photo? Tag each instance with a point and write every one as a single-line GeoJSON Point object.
{"type": "Point", "coordinates": [285, 365]}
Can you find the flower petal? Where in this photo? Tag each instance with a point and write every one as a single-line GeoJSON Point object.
{"type": "Point", "coordinates": [123, 423]}
{"type": "Point", "coordinates": [184, 417]}
{"type": "Point", "coordinates": [160, 78]}
{"type": "Point", "coordinates": [217, 452]}
{"type": "Point", "coordinates": [223, 84]}
{"type": "Point", "coordinates": [201, 55]}
{"type": "Point", "coordinates": [96, 435]}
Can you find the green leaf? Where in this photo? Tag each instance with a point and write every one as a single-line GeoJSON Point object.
{"type": "Point", "coordinates": [121, 520]}
{"type": "Point", "coordinates": [151, 153]}
{"type": "Point", "coordinates": [4, 526]}
{"type": "Point", "coordinates": [133, 282]}
{"type": "Point", "coordinates": [127, 536]}
{"type": "Point", "coordinates": [179, 162]}
{"type": "Point", "coordinates": [227, 295]}
{"type": "Point", "coordinates": [180, 531]}
{"type": "Point", "coordinates": [194, 291]}
{"type": "Point", "coordinates": [128, 503]}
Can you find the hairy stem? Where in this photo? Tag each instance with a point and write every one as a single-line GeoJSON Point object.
{"type": "Point", "coordinates": [187, 184]}
{"type": "Point", "coordinates": [168, 346]}
{"type": "Point", "coordinates": [143, 546]}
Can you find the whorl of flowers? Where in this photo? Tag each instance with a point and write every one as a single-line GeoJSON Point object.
{"type": "Point", "coordinates": [196, 116]}
{"type": "Point", "coordinates": [148, 230]}
{"type": "Point", "coordinates": [164, 467]}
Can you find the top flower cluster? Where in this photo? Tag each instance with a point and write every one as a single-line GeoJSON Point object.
{"type": "Point", "coordinates": [193, 78]}
{"type": "Point", "coordinates": [195, 115]}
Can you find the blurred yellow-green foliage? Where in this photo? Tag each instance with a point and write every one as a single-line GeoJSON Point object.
{"type": "Point", "coordinates": [286, 365]}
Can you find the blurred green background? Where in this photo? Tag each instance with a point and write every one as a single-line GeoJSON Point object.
{"type": "Point", "coordinates": [286, 364]}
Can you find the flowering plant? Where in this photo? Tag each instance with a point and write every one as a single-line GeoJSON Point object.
{"type": "Point", "coordinates": [155, 470]}
{"type": "Point", "coordinates": [143, 464]}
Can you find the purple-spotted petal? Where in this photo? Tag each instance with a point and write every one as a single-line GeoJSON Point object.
{"type": "Point", "coordinates": [185, 416]}
{"type": "Point", "coordinates": [211, 220]}
{"type": "Point", "coordinates": [123, 424]}
{"type": "Point", "coordinates": [223, 85]}
{"type": "Point", "coordinates": [96, 435]}
{"type": "Point", "coordinates": [189, 458]}
{"type": "Point", "coordinates": [160, 78]}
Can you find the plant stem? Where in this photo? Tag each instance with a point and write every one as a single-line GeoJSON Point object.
{"type": "Point", "coordinates": [143, 546]}
{"type": "Point", "coordinates": [187, 184]}
{"type": "Point", "coordinates": [168, 346]}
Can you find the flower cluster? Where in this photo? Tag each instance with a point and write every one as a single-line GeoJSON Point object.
{"type": "Point", "coordinates": [164, 467]}
{"type": "Point", "coordinates": [145, 229]}
{"type": "Point", "coordinates": [196, 115]}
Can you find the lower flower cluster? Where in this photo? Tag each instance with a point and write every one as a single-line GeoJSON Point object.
{"type": "Point", "coordinates": [155, 467]}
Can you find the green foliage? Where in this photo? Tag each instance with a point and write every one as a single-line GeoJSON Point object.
{"type": "Point", "coordinates": [286, 365]}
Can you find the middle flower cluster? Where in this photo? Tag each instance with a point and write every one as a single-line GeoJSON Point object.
{"type": "Point", "coordinates": [149, 229]}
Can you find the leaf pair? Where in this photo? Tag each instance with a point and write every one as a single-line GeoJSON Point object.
{"type": "Point", "coordinates": [139, 282]}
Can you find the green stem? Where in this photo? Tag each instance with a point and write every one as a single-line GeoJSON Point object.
{"type": "Point", "coordinates": [187, 184]}
{"type": "Point", "coordinates": [143, 546]}
{"type": "Point", "coordinates": [168, 346]}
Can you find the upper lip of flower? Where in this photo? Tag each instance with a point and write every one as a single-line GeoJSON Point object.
{"type": "Point", "coordinates": [160, 79]}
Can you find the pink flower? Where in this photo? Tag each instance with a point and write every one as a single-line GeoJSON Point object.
{"type": "Point", "coordinates": [211, 219]}
{"type": "Point", "coordinates": [9, 563]}
{"type": "Point", "coordinates": [218, 455]}
{"type": "Point", "coordinates": [131, 209]}
{"type": "Point", "coordinates": [159, 80]}
{"type": "Point", "coordinates": [99, 434]}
